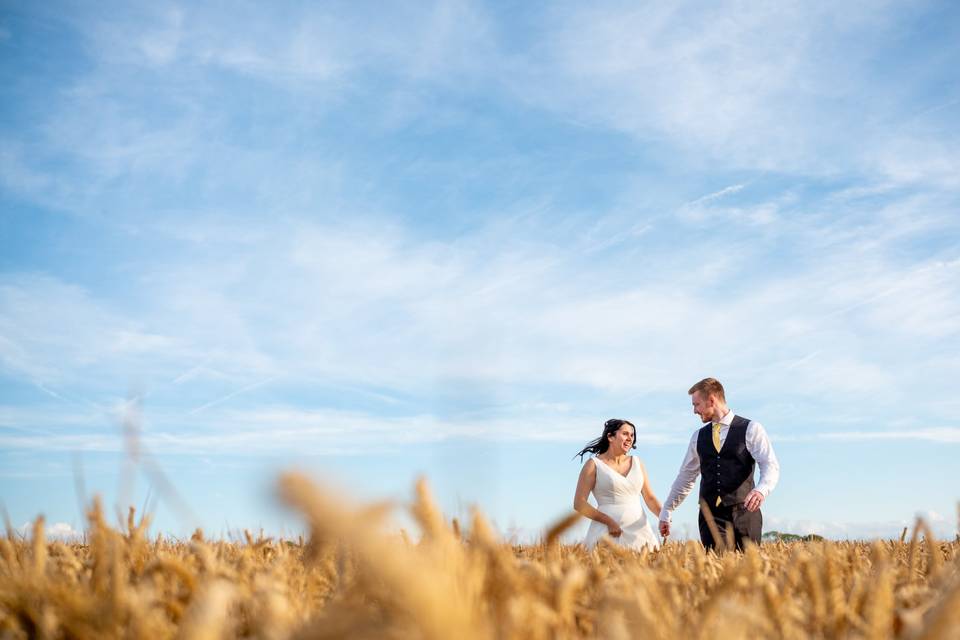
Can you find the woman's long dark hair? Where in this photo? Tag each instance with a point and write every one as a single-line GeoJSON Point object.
{"type": "Point", "coordinates": [601, 444]}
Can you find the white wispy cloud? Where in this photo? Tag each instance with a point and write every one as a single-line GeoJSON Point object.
{"type": "Point", "coordinates": [283, 226]}
{"type": "Point", "coordinates": [887, 529]}
{"type": "Point", "coordinates": [381, 308]}
{"type": "Point", "coordinates": [780, 89]}
{"type": "Point", "coordinates": [734, 188]}
{"type": "Point", "coordinates": [54, 531]}
{"type": "Point", "coordinates": [242, 390]}
{"type": "Point", "coordinates": [930, 434]}
{"type": "Point", "coordinates": [303, 45]}
{"type": "Point", "coordinates": [761, 89]}
{"type": "Point", "coordinates": [52, 331]}
{"type": "Point", "coordinates": [292, 430]}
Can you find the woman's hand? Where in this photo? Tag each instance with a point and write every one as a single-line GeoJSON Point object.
{"type": "Point", "coordinates": [614, 529]}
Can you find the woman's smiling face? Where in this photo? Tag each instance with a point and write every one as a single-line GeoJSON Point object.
{"type": "Point", "coordinates": [622, 440]}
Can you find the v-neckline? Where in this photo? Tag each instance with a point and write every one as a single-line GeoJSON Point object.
{"type": "Point", "coordinates": [622, 475]}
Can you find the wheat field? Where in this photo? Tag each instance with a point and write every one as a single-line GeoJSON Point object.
{"type": "Point", "coordinates": [351, 578]}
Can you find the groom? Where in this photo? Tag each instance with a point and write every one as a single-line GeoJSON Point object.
{"type": "Point", "coordinates": [723, 453]}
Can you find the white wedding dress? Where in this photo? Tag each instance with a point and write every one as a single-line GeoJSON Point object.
{"type": "Point", "coordinates": [619, 497]}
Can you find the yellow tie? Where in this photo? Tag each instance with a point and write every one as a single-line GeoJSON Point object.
{"type": "Point", "coordinates": [716, 445]}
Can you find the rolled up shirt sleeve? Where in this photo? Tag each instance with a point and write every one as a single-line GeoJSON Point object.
{"type": "Point", "coordinates": [758, 444]}
{"type": "Point", "coordinates": [686, 479]}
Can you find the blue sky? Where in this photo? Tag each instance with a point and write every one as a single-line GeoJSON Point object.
{"type": "Point", "coordinates": [452, 238]}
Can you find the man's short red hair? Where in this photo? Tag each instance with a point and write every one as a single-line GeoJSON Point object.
{"type": "Point", "coordinates": [709, 387]}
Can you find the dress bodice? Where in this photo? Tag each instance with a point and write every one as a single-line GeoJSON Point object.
{"type": "Point", "coordinates": [611, 487]}
{"type": "Point", "coordinates": [619, 497]}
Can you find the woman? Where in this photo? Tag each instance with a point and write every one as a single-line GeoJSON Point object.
{"type": "Point", "coordinates": [617, 481]}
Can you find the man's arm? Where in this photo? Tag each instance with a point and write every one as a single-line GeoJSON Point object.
{"type": "Point", "coordinates": [686, 479]}
{"type": "Point", "coordinates": [758, 444]}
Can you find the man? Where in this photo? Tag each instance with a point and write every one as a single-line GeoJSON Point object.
{"type": "Point", "coordinates": [724, 453]}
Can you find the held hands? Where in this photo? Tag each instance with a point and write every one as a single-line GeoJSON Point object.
{"type": "Point", "coordinates": [664, 528]}
{"type": "Point", "coordinates": [753, 501]}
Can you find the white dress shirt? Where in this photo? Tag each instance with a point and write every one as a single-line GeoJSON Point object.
{"type": "Point", "coordinates": [758, 444]}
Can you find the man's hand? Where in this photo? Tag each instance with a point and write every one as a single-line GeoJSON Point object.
{"type": "Point", "coordinates": [664, 528]}
{"type": "Point", "coordinates": [754, 500]}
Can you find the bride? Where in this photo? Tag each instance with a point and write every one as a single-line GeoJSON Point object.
{"type": "Point", "coordinates": [617, 481]}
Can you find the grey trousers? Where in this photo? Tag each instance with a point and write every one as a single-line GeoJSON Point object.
{"type": "Point", "coordinates": [746, 525]}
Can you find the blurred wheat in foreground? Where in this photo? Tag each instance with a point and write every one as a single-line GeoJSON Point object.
{"type": "Point", "coordinates": [351, 580]}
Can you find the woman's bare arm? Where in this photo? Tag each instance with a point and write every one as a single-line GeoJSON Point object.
{"type": "Point", "coordinates": [648, 496]}
{"type": "Point", "coordinates": [585, 484]}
